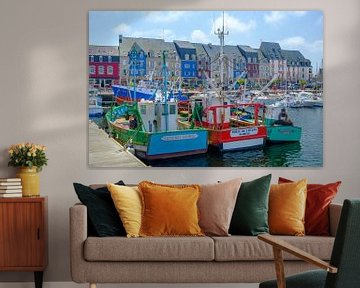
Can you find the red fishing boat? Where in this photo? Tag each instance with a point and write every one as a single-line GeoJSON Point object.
{"type": "Point", "coordinates": [227, 131]}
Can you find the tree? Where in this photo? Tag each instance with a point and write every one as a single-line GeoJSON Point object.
{"type": "Point", "coordinates": [302, 83]}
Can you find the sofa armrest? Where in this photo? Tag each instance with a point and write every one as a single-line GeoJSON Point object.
{"type": "Point", "coordinates": [334, 217]}
{"type": "Point", "coordinates": [78, 235]}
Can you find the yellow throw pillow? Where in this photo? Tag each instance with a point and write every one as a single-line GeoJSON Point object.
{"type": "Point", "coordinates": [127, 201]}
{"type": "Point", "coordinates": [169, 210]}
{"type": "Point", "coordinates": [287, 204]}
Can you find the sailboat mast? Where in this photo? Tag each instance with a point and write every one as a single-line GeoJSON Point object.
{"type": "Point", "coordinates": [221, 34]}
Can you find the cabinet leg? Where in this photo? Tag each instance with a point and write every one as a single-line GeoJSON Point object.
{"type": "Point", "coordinates": [38, 279]}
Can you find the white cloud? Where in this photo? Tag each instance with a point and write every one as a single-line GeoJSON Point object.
{"type": "Point", "coordinates": [128, 31]}
{"type": "Point", "coordinates": [233, 24]}
{"type": "Point", "coordinates": [292, 42]}
{"type": "Point", "coordinates": [165, 17]}
{"type": "Point", "coordinates": [299, 43]}
{"type": "Point", "coordinates": [122, 28]}
{"type": "Point", "coordinates": [275, 17]}
{"type": "Point", "coordinates": [199, 36]}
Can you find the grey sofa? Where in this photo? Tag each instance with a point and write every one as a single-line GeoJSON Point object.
{"type": "Point", "coordinates": [234, 259]}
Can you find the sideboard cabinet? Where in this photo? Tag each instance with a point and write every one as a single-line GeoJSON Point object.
{"type": "Point", "coordinates": [23, 235]}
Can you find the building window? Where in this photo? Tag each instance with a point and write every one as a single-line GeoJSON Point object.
{"type": "Point", "coordinates": [109, 59]}
{"type": "Point", "coordinates": [143, 109]}
{"type": "Point", "coordinates": [92, 69]}
{"type": "Point", "coordinates": [172, 109]}
{"type": "Point", "coordinates": [186, 66]}
{"type": "Point", "coordinates": [100, 58]}
{"type": "Point", "coordinates": [101, 70]}
{"type": "Point", "coordinates": [186, 56]}
{"type": "Point", "coordinates": [92, 58]}
{"type": "Point", "coordinates": [249, 60]}
{"type": "Point", "coordinates": [110, 70]}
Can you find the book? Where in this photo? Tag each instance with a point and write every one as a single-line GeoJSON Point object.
{"type": "Point", "coordinates": [4, 195]}
{"type": "Point", "coordinates": [10, 180]}
{"type": "Point", "coordinates": [10, 183]}
{"type": "Point", "coordinates": [10, 191]}
{"type": "Point", "coordinates": [10, 187]}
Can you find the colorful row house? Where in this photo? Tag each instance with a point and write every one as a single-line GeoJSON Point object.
{"type": "Point", "coordinates": [192, 63]}
{"type": "Point", "coordinates": [103, 66]}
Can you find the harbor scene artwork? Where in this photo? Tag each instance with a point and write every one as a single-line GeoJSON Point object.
{"type": "Point", "coordinates": [205, 89]}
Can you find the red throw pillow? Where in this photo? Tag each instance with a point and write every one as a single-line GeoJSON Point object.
{"type": "Point", "coordinates": [319, 197]}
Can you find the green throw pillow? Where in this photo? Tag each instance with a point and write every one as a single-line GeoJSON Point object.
{"type": "Point", "coordinates": [250, 216]}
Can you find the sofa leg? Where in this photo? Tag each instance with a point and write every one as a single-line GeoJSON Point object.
{"type": "Point", "coordinates": [92, 285]}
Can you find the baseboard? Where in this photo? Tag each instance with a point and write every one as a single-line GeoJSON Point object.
{"type": "Point", "coordinates": [74, 285]}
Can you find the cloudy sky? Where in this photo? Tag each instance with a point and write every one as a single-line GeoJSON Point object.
{"type": "Point", "coordinates": [294, 30]}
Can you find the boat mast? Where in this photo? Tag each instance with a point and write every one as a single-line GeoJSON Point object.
{"type": "Point", "coordinates": [165, 91]}
{"type": "Point", "coordinates": [120, 41]}
{"type": "Point", "coordinates": [221, 34]}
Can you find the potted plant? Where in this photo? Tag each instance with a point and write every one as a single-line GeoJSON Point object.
{"type": "Point", "coordinates": [30, 158]}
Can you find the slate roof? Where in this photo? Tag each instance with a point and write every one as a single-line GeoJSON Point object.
{"type": "Point", "coordinates": [271, 50]}
{"type": "Point", "coordinates": [147, 44]}
{"type": "Point", "coordinates": [295, 56]}
{"type": "Point", "coordinates": [200, 49]}
{"type": "Point", "coordinates": [183, 48]}
{"type": "Point", "coordinates": [212, 50]}
{"type": "Point", "coordinates": [103, 50]}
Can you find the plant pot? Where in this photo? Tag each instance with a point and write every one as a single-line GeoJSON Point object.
{"type": "Point", "coordinates": [30, 181]}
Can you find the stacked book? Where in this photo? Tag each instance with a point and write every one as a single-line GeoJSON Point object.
{"type": "Point", "coordinates": [10, 187]}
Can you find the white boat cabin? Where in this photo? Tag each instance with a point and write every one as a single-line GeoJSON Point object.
{"type": "Point", "coordinates": [158, 116]}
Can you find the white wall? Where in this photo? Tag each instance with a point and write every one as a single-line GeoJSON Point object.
{"type": "Point", "coordinates": [43, 84]}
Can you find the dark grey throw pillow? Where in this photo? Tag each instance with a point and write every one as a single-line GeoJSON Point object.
{"type": "Point", "coordinates": [103, 218]}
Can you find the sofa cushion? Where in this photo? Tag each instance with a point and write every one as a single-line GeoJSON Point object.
{"type": "Point", "coordinates": [287, 204]}
{"type": "Point", "coordinates": [149, 249]}
{"type": "Point", "coordinates": [245, 248]}
{"type": "Point", "coordinates": [127, 201]}
{"type": "Point", "coordinates": [102, 216]}
{"type": "Point", "coordinates": [216, 206]}
{"type": "Point", "coordinates": [169, 210]}
{"type": "Point", "coordinates": [318, 199]}
{"type": "Point", "coordinates": [250, 215]}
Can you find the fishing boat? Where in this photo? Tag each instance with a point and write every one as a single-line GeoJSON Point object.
{"type": "Point", "coordinates": [226, 133]}
{"type": "Point", "coordinates": [95, 104]}
{"type": "Point", "coordinates": [144, 90]}
{"type": "Point", "coordinates": [151, 128]}
{"type": "Point", "coordinates": [280, 130]}
{"type": "Point", "coordinates": [310, 99]}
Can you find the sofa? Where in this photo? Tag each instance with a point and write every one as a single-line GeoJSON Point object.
{"type": "Point", "coordinates": [233, 259]}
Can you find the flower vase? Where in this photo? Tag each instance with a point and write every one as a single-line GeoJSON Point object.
{"type": "Point", "coordinates": [30, 181]}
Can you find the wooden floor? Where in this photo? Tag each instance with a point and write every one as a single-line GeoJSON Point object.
{"type": "Point", "coordinates": [106, 152]}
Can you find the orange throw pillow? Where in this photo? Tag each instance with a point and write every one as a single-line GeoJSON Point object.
{"type": "Point", "coordinates": [319, 197]}
{"type": "Point", "coordinates": [169, 210]}
{"type": "Point", "coordinates": [287, 204]}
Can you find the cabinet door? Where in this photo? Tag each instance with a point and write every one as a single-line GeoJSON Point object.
{"type": "Point", "coordinates": [21, 234]}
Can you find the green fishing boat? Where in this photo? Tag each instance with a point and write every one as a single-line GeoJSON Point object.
{"type": "Point", "coordinates": [279, 127]}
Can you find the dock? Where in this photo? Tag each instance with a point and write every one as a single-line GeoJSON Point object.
{"type": "Point", "coordinates": [104, 151]}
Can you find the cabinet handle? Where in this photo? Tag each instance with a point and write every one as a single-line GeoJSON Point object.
{"type": "Point", "coordinates": [38, 234]}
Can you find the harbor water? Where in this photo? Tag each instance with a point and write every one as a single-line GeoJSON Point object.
{"type": "Point", "coordinates": [306, 153]}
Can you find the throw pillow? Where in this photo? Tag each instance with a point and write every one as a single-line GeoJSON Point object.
{"type": "Point", "coordinates": [169, 210]}
{"type": "Point", "coordinates": [319, 197]}
{"type": "Point", "coordinates": [250, 215]}
{"type": "Point", "coordinates": [287, 208]}
{"type": "Point", "coordinates": [216, 206]}
{"type": "Point", "coordinates": [103, 218]}
{"type": "Point", "coordinates": [127, 201]}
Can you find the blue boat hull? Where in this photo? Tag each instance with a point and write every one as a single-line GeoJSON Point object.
{"type": "Point", "coordinates": [127, 93]}
{"type": "Point", "coordinates": [164, 145]}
